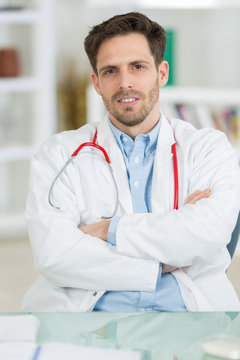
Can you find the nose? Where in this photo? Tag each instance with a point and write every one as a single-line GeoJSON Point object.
{"type": "Point", "coordinates": [125, 80]}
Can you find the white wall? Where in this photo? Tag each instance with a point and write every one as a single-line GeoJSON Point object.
{"type": "Point", "coordinates": [208, 41]}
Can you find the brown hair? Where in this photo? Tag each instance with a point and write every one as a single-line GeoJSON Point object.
{"type": "Point", "coordinates": [123, 25]}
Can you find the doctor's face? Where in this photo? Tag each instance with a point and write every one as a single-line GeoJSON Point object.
{"type": "Point", "coordinates": [128, 80]}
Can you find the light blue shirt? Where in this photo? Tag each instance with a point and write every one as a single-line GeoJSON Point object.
{"type": "Point", "coordinates": [139, 159]}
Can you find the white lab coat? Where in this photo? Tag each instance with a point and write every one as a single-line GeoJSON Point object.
{"type": "Point", "coordinates": [76, 269]}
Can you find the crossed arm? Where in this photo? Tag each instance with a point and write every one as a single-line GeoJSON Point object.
{"type": "Point", "coordinates": [100, 229]}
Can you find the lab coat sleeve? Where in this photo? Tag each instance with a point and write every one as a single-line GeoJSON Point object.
{"type": "Point", "coordinates": [62, 253]}
{"type": "Point", "coordinates": [195, 233]}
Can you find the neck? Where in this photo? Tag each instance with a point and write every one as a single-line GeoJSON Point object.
{"type": "Point", "coordinates": [143, 128]}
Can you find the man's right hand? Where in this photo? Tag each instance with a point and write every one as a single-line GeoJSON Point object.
{"type": "Point", "coordinates": [192, 199]}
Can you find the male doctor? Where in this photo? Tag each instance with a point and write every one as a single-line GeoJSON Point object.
{"type": "Point", "coordinates": [149, 256]}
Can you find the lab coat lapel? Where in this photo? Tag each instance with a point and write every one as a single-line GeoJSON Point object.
{"type": "Point", "coordinates": [107, 141]}
{"type": "Point", "coordinates": [162, 197]}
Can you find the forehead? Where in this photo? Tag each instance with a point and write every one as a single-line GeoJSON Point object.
{"type": "Point", "coordinates": [124, 48]}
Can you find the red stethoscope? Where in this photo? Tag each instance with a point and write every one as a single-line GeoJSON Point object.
{"type": "Point", "coordinates": [96, 146]}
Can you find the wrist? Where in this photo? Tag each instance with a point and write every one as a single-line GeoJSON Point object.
{"type": "Point", "coordinates": [105, 227]}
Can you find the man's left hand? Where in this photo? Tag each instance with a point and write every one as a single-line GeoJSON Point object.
{"type": "Point", "coordinates": [99, 229]}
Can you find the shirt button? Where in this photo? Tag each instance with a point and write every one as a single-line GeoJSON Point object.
{"type": "Point", "coordinates": [136, 184]}
{"type": "Point", "coordinates": [148, 153]}
{"type": "Point", "coordinates": [125, 139]}
{"type": "Point", "coordinates": [136, 160]}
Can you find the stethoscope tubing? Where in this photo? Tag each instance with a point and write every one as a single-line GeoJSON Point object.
{"type": "Point", "coordinates": [54, 182]}
{"type": "Point", "coordinates": [62, 171]}
{"type": "Point", "coordinates": [175, 173]}
{"type": "Point", "coordinates": [93, 144]}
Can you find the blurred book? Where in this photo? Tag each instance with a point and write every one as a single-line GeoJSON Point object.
{"type": "Point", "coordinates": [188, 113]}
{"type": "Point", "coordinates": [225, 119]}
{"type": "Point", "coordinates": [17, 350]}
{"type": "Point", "coordinates": [204, 116]}
{"type": "Point", "coordinates": [60, 351]}
{"type": "Point", "coordinates": [230, 117]}
{"type": "Point", "coordinates": [219, 122]}
{"type": "Point", "coordinates": [170, 55]}
{"type": "Point", "coordinates": [18, 328]}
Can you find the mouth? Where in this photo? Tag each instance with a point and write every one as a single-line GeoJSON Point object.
{"type": "Point", "coordinates": [128, 101]}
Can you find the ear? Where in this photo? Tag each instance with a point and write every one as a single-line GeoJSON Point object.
{"type": "Point", "coordinates": [163, 71]}
{"type": "Point", "coordinates": [95, 81]}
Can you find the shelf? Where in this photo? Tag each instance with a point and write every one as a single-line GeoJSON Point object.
{"type": "Point", "coordinates": [11, 153]}
{"type": "Point", "coordinates": [169, 4]}
{"type": "Point", "coordinates": [189, 4]}
{"type": "Point", "coordinates": [32, 99]}
{"type": "Point", "coordinates": [12, 225]}
{"type": "Point", "coordinates": [21, 84]}
{"type": "Point", "coordinates": [20, 17]}
{"type": "Point", "coordinates": [207, 96]}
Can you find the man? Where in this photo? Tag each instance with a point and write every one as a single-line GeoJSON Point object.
{"type": "Point", "coordinates": [149, 256]}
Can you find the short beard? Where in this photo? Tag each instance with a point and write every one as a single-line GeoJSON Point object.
{"type": "Point", "coordinates": [151, 97]}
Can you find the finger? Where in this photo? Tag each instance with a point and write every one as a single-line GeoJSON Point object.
{"type": "Point", "coordinates": [168, 268]}
{"type": "Point", "coordinates": [191, 199]}
{"type": "Point", "coordinates": [193, 194]}
{"type": "Point", "coordinates": [197, 198]}
{"type": "Point", "coordinates": [197, 192]}
{"type": "Point", "coordinates": [198, 195]}
{"type": "Point", "coordinates": [84, 228]}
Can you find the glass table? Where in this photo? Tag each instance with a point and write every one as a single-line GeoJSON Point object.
{"type": "Point", "coordinates": [159, 336]}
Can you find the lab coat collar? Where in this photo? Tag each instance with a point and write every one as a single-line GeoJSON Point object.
{"type": "Point", "coordinates": [166, 132]}
{"type": "Point", "coordinates": [163, 175]}
{"type": "Point", "coordinates": [162, 166]}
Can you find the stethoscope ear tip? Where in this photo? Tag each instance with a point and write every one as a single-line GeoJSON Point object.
{"type": "Point", "coordinates": [63, 209]}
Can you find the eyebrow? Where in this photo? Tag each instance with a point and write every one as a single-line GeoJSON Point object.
{"type": "Point", "coordinates": [135, 62]}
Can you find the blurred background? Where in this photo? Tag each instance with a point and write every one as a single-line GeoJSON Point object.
{"type": "Point", "coordinates": [45, 88]}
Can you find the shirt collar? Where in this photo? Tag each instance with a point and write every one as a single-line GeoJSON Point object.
{"type": "Point", "coordinates": [150, 138]}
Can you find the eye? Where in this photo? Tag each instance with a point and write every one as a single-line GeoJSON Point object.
{"type": "Point", "coordinates": [109, 71]}
{"type": "Point", "coordinates": [138, 66]}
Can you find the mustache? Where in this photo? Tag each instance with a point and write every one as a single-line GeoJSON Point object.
{"type": "Point", "coordinates": [121, 93]}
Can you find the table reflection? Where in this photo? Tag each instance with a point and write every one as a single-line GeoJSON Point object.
{"type": "Point", "coordinates": [159, 336]}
